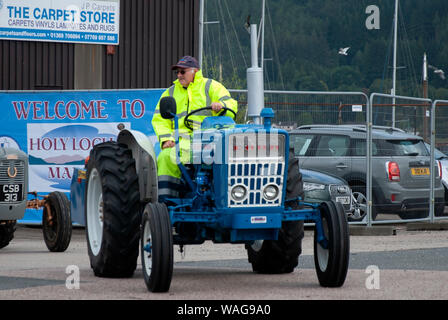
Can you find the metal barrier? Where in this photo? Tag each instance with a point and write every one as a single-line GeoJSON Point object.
{"type": "Point", "coordinates": [309, 107]}
{"type": "Point", "coordinates": [441, 121]}
{"type": "Point", "coordinates": [410, 110]}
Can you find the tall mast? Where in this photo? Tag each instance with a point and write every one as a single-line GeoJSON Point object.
{"type": "Point", "coordinates": [262, 34]}
{"type": "Point", "coordinates": [394, 76]}
{"type": "Point", "coordinates": [201, 31]}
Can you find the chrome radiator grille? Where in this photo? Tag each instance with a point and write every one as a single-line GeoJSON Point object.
{"type": "Point", "coordinates": [12, 165]}
{"type": "Point", "coordinates": [257, 169]}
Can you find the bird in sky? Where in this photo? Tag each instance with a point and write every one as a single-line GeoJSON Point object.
{"type": "Point", "coordinates": [438, 71]}
{"type": "Point", "coordinates": [441, 73]}
{"type": "Point", "coordinates": [343, 51]}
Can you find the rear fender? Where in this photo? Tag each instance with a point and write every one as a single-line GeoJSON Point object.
{"type": "Point", "coordinates": [145, 162]}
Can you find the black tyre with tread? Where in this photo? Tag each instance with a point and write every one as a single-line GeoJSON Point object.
{"type": "Point", "coordinates": [121, 212]}
{"type": "Point", "coordinates": [157, 260]}
{"type": "Point", "coordinates": [282, 255]}
{"type": "Point", "coordinates": [7, 233]}
{"type": "Point", "coordinates": [332, 262]}
{"type": "Point", "coordinates": [57, 222]}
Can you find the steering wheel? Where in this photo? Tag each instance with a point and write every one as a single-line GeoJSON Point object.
{"type": "Point", "coordinates": [189, 123]}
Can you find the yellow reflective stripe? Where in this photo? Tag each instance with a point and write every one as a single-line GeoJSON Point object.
{"type": "Point", "coordinates": [223, 99]}
{"type": "Point", "coordinates": [171, 91]}
{"type": "Point", "coordinates": [162, 136]}
{"type": "Point", "coordinates": [182, 114]}
{"type": "Point", "coordinates": [207, 92]}
{"type": "Point", "coordinates": [169, 179]}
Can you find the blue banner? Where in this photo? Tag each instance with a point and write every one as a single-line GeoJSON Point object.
{"type": "Point", "coordinates": [57, 129]}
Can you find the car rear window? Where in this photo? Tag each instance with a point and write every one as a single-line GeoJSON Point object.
{"type": "Point", "coordinates": [402, 148]}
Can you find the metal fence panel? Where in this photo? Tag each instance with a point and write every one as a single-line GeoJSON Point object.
{"type": "Point", "coordinates": [295, 108]}
{"type": "Point", "coordinates": [410, 115]}
{"type": "Point", "coordinates": [439, 139]}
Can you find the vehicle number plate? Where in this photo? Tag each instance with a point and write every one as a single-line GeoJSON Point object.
{"type": "Point", "coordinates": [258, 219]}
{"type": "Point", "coordinates": [343, 200]}
{"type": "Point", "coordinates": [420, 171]}
{"type": "Point", "coordinates": [11, 192]}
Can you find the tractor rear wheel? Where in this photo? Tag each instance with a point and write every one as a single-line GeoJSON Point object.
{"type": "Point", "coordinates": [112, 209]}
{"type": "Point", "coordinates": [277, 256]}
{"type": "Point", "coordinates": [282, 255]}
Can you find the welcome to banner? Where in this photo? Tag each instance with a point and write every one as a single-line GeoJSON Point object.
{"type": "Point", "coordinates": [57, 129]}
{"type": "Point", "coordinates": [77, 21]}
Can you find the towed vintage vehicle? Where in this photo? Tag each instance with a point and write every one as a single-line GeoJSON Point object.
{"type": "Point", "coordinates": [15, 199]}
{"type": "Point", "coordinates": [13, 191]}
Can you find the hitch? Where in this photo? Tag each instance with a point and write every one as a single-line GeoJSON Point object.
{"type": "Point", "coordinates": [37, 203]}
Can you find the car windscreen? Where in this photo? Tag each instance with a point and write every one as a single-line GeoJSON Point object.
{"type": "Point", "coordinates": [402, 148]}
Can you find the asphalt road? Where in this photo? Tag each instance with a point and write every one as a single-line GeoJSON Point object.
{"type": "Point", "coordinates": [408, 265]}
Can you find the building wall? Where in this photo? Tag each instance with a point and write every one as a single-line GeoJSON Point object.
{"type": "Point", "coordinates": [159, 33]}
{"type": "Point", "coordinates": [26, 65]}
{"type": "Point", "coordinates": [153, 35]}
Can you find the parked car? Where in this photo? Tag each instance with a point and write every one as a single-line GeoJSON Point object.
{"type": "Point", "coordinates": [400, 166]}
{"type": "Point", "coordinates": [319, 186]}
{"type": "Point", "coordinates": [442, 158]}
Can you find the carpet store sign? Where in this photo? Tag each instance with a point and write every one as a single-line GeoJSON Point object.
{"type": "Point", "coordinates": [78, 21]}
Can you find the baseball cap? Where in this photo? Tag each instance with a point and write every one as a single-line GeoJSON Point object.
{"type": "Point", "coordinates": [186, 62]}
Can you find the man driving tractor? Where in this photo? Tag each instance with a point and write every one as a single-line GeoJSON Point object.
{"type": "Point", "coordinates": [191, 91]}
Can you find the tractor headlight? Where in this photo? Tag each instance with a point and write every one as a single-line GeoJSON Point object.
{"type": "Point", "coordinates": [238, 193]}
{"type": "Point", "coordinates": [270, 192]}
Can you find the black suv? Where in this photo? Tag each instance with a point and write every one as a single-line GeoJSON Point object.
{"type": "Point", "coordinates": [400, 166]}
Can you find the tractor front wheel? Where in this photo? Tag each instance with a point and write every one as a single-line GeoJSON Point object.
{"type": "Point", "coordinates": [331, 250]}
{"type": "Point", "coordinates": [156, 248]}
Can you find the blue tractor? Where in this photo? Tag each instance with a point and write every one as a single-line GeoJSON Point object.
{"type": "Point", "coordinates": [243, 186]}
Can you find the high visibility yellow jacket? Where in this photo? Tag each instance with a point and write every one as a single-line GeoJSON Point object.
{"type": "Point", "coordinates": [202, 92]}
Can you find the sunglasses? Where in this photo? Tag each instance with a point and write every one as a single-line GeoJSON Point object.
{"type": "Point", "coordinates": [181, 71]}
